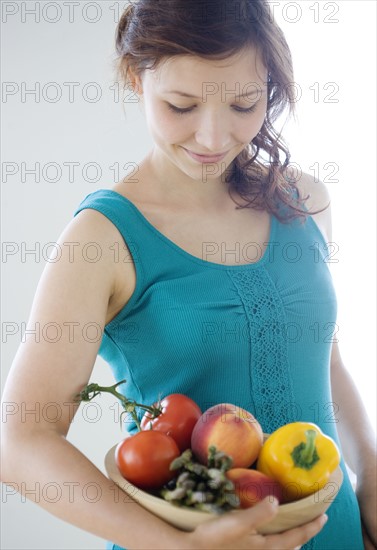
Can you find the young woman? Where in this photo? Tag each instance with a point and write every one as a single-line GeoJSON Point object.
{"type": "Point", "coordinates": [217, 289]}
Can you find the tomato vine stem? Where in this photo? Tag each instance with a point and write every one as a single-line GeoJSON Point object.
{"type": "Point", "coordinates": [91, 391]}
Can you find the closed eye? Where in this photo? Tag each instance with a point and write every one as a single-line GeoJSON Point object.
{"type": "Point", "coordinates": [248, 110]}
{"type": "Point", "coordinates": [180, 111]}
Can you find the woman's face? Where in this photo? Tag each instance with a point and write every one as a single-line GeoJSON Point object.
{"type": "Point", "coordinates": [198, 107]}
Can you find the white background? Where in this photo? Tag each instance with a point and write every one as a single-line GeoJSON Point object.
{"type": "Point", "coordinates": [332, 44]}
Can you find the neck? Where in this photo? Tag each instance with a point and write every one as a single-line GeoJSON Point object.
{"type": "Point", "coordinates": [167, 180]}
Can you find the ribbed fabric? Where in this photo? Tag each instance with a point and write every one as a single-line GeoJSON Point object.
{"type": "Point", "coordinates": [256, 335]}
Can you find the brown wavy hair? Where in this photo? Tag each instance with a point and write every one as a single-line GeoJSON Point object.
{"type": "Point", "coordinates": [150, 31]}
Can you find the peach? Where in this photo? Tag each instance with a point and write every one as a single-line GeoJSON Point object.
{"type": "Point", "coordinates": [230, 429]}
{"type": "Point", "coordinates": [252, 486]}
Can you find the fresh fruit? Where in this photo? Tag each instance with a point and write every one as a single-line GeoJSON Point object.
{"type": "Point", "coordinates": [230, 429]}
{"type": "Point", "coordinates": [144, 459]}
{"type": "Point", "coordinates": [177, 419]}
{"type": "Point", "coordinates": [251, 486]}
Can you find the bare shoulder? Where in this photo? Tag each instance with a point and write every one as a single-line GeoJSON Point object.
{"type": "Point", "coordinates": [318, 199]}
{"type": "Point", "coordinates": [102, 237]}
{"type": "Point", "coordinates": [92, 223]}
{"type": "Point", "coordinates": [93, 239]}
{"type": "Point", "coordinates": [316, 190]}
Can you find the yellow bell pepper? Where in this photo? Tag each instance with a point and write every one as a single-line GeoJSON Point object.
{"type": "Point", "coordinates": [300, 457]}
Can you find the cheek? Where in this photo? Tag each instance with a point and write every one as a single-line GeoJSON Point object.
{"type": "Point", "coordinates": [251, 128]}
{"type": "Point", "coordinates": [166, 126]}
{"type": "Point", "coordinates": [173, 131]}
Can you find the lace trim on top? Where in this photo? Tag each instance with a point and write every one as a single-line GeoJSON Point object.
{"type": "Point", "coordinates": [271, 385]}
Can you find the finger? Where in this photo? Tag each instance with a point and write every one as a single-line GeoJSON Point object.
{"type": "Point", "coordinates": [239, 523]}
{"type": "Point", "coordinates": [294, 538]}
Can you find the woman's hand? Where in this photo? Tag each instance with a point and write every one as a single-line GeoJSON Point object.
{"type": "Point", "coordinates": [239, 530]}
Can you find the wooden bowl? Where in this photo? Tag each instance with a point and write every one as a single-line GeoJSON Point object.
{"type": "Point", "coordinates": [289, 515]}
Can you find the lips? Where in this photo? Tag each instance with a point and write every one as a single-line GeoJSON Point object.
{"type": "Point", "coordinates": [206, 158]}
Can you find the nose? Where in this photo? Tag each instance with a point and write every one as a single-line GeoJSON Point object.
{"type": "Point", "coordinates": [213, 133]}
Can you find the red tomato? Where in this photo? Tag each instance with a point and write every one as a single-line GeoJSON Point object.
{"type": "Point", "coordinates": [144, 459]}
{"type": "Point", "coordinates": [178, 418]}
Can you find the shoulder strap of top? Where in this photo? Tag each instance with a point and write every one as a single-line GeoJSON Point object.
{"type": "Point", "coordinates": [153, 254]}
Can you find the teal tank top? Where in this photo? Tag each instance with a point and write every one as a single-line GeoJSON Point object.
{"type": "Point", "coordinates": [257, 335]}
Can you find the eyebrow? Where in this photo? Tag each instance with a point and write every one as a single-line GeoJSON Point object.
{"type": "Point", "coordinates": [246, 94]}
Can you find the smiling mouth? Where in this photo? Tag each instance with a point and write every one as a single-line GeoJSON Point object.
{"type": "Point", "coordinates": [206, 158]}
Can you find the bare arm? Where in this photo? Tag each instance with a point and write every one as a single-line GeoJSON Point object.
{"type": "Point", "coordinates": [358, 442]}
{"type": "Point", "coordinates": [355, 430]}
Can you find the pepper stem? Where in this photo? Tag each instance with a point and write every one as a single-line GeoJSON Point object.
{"type": "Point", "coordinates": [92, 390]}
{"type": "Point", "coordinates": [305, 455]}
